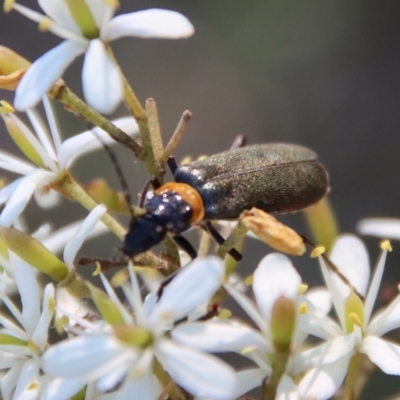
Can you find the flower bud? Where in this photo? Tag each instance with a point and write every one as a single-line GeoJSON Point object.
{"type": "Point", "coordinates": [134, 336]}
{"type": "Point", "coordinates": [105, 305]}
{"type": "Point", "coordinates": [354, 311]}
{"type": "Point", "coordinates": [283, 321]}
{"type": "Point", "coordinates": [12, 68]}
{"type": "Point", "coordinates": [280, 237]}
{"type": "Point", "coordinates": [34, 253]}
{"type": "Point", "coordinates": [101, 192]}
{"type": "Point", "coordinates": [14, 125]}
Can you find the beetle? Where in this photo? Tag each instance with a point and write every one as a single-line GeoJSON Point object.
{"type": "Point", "coordinates": [275, 177]}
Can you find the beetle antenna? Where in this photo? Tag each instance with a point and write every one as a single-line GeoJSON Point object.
{"type": "Point", "coordinates": [117, 167]}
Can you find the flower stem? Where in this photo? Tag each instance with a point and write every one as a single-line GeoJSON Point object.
{"type": "Point", "coordinates": [351, 378]}
{"type": "Point", "coordinates": [270, 385]}
{"type": "Point", "coordinates": [73, 103]}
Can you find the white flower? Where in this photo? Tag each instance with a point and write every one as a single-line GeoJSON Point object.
{"type": "Point", "coordinates": [109, 354]}
{"type": "Point", "coordinates": [387, 228]}
{"type": "Point", "coordinates": [275, 285]}
{"type": "Point", "coordinates": [357, 332]}
{"type": "Point", "coordinates": [22, 344]}
{"type": "Point", "coordinates": [89, 27]}
{"type": "Point", "coordinates": [51, 155]}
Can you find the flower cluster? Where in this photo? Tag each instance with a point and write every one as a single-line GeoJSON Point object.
{"type": "Point", "coordinates": [157, 328]}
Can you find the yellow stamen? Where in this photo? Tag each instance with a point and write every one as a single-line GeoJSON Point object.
{"type": "Point", "coordinates": [317, 252]}
{"type": "Point", "coordinates": [45, 24]}
{"type": "Point", "coordinates": [97, 270]}
{"type": "Point", "coordinates": [224, 314]}
{"type": "Point", "coordinates": [249, 280]}
{"type": "Point", "coordinates": [303, 308]}
{"type": "Point", "coordinates": [355, 319]}
{"type": "Point", "coordinates": [8, 5]}
{"type": "Point", "coordinates": [247, 350]}
{"type": "Point", "coordinates": [6, 108]}
{"type": "Point", "coordinates": [302, 288]}
{"type": "Point", "coordinates": [386, 245]}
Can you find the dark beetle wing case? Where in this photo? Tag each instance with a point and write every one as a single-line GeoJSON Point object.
{"type": "Point", "coordinates": [275, 177]}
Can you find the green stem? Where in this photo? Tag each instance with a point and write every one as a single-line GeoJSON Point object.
{"type": "Point", "coordinates": [351, 378]}
{"type": "Point", "coordinates": [72, 102]}
{"type": "Point", "coordinates": [270, 386]}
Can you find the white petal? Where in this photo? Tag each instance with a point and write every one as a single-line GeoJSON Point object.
{"type": "Point", "coordinates": [22, 194]}
{"type": "Point", "coordinates": [111, 379]}
{"type": "Point", "coordinates": [57, 240]}
{"type": "Point", "coordinates": [47, 199]}
{"type": "Point", "coordinates": [321, 299]}
{"type": "Point", "coordinates": [386, 320]}
{"type": "Point", "coordinates": [384, 354]}
{"type": "Point", "coordinates": [248, 380]}
{"type": "Point", "coordinates": [326, 353]}
{"type": "Point", "coordinates": [152, 23]}
{"type": "Point", "coordinates": [51, 120]}
{"type": "Point", "coordinates": [88, 141]}
{"type": "Point", "coordinates": [41, 131]}
{"type": "Point", "coordinates": [103, 88]}
{"type": "Point", "coordinates": [219, 336]}
{"type": "Point", "coordinates": [274, 277]}
{"type": "Point", "coordinates": [85, 358]}
{"type": "Point", "coordinates": [387, 228]}
{"type": "Point", "coordinates": [350, 255]}
{"type": "Point", "coordinates": [287, 390]}
{"type": "Point", "coordinates": [58, 10]}
{"type": "Point", "coordinates": [39, 337]}
{"type": "Point", "coordinates": [81, 234]}
{"type": "Point", "coordinates": [62, 389]}
{"type": "Point", "coordinates": [12, 163]}
{"type": "Point", "coordinates": [29, 372]}
{"type": "Point", "coordinates": [145, 387]}
{"type": "Point", "coordinates": [192, 286]}
{"type": "Point", "coordinates": [28, 288]}
{"type": "Point", "coordinates": [9, 380]}
{"type": "Point", "coordinates": [43, 73]}
{"type": "Point", "coordinates": [198, 373]}
{"type": "Point", "coordinates": [322, 382]}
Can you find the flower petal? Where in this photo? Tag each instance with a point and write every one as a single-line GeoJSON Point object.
{"type": "Point", "coordinates": [326, 353]}
{"type": "Point", "coordinates": [81, 234]}
{"type": "Point", "coordinates": [350, 255]}
{"type": "Point", "coordinates": [200, 374]}
{"type": "Point", "coordinates": [40, 335]}
{"type": "Point", "coordinates": [88, 141]}
{"type": "Point", "coordinates": [274, 277]}
{"type": "Point", "coordinates": [384, 354]}
{"type": "Point", "coordinates": [287, 390]}
{"type": "Point", "coordinates": [22, 194]}
{"type": "Point", "coordinates": [219, 336]}
{"type": "Point", "coordinates": [29, 372]}
{"type": "Point", "coordinates": [85, 357]}
{"type": "Point", "coordinates": [58, 10]}
{"type": "Point", "coordinates": [152, 23]}
{"type": "Point", "coordinates": [248, 380]}
{"type": "Point", "coordinates": [387, 228]}
{"type": "Point", "coordinates": [192, 286]}
{"type": "Point", "coordinates": [9, 380]}
{"type": "Point", "coordinates": [43, 73]}
{"type": "Point", "coordinates": [321, 299]}
{"type": "Point", "coordinates": [103, 89]}
{"type": "Point", "coordinates": [386, 320]}
{"type": "Point", "coordinates": [145, 387]}
{"type": "Point", "coordinates": [28, 288]}
{"type": "Point", "coordinates": [322, 382]}
{"type": "Point", "coordinates": [62, 389]}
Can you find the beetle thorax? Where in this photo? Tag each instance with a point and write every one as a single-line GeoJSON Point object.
{"type": "Point", "coordinates": [170, 211]}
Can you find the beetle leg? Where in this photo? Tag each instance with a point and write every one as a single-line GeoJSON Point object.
{"type": "Point", "coordinates": [185, 245]}
{"type": "Point", "coordinates": [239, 142]}
{"type": "Point", "coordinates": [173, 166]}
{"type": "Point", "coordinates": [220, 240]}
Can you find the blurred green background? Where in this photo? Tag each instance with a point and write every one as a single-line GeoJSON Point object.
{"type": "Point", "coordinates": [325, 74]}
